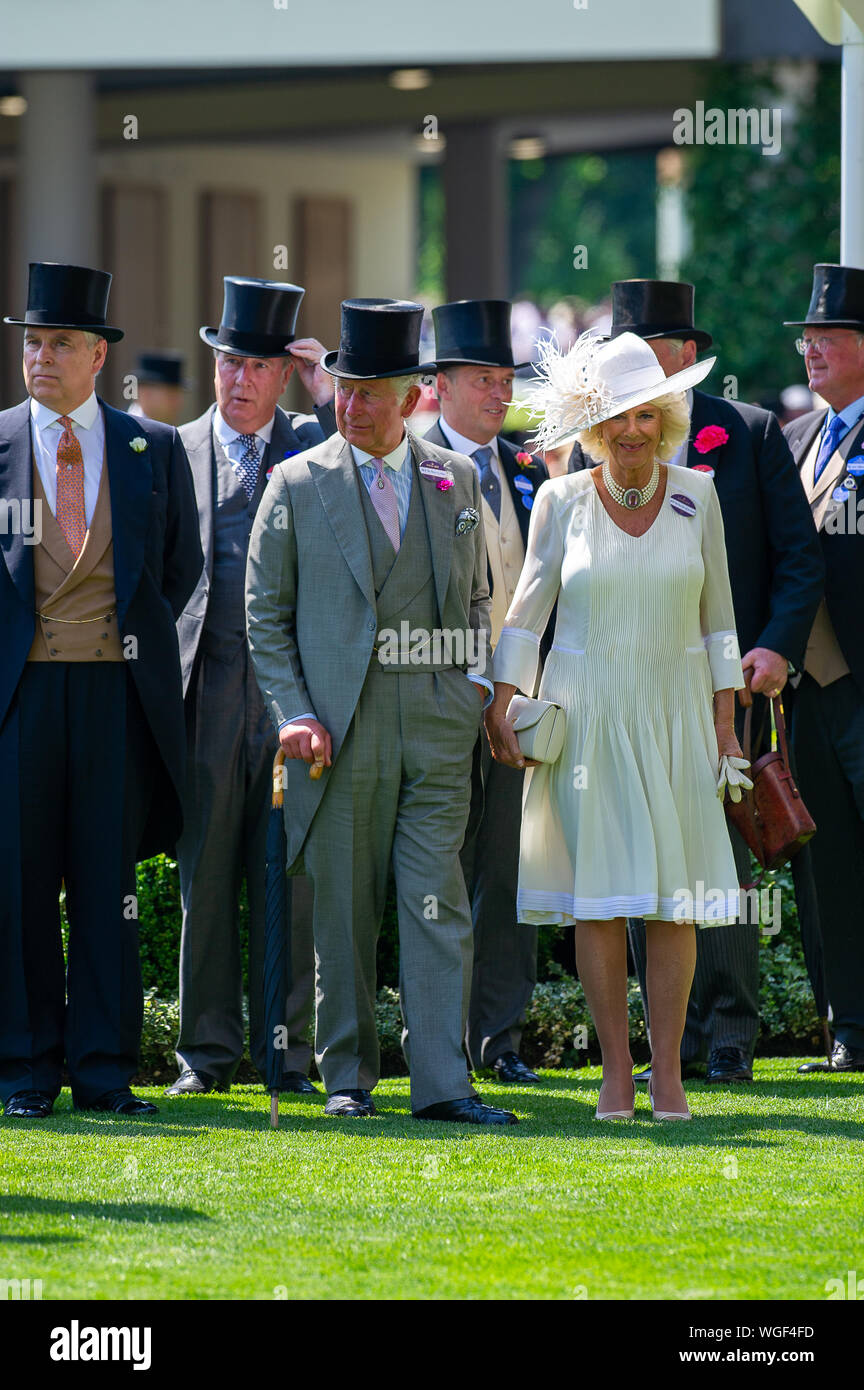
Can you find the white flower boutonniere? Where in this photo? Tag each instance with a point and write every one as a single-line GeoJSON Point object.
{"type": "Point", "coordinates": [139, 444]}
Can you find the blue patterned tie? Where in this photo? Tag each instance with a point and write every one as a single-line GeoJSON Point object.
{"type": "Point", "coordinates": [250, 462]}
{"type": "Point", "coordinates": [830, 440]}
{"type": "Point", "coordinates": [489, 484]}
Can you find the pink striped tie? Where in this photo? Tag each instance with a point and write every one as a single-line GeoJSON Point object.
{"type": "Point", "coordinates": [383, 496]}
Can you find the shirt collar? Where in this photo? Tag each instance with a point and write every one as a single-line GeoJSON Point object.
{"type": "Point", "coordinates": [850, 414]}
{"type": "Point", "coordinates": [393, 460]}
{"type": "Point", "coordinates": [84, 415]}
{"type": "Point", "coordinates": [461, 444]}
{"type": "Point", "coordinates": [226, 435]}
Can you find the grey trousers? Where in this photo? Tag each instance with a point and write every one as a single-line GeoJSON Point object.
{"type": "Point", "coordinates": [723, 1008]}
{"type": "Point", "coordinates": [398, 792]}
{"type": "Point", "coordinates": [231, 743]}
{"type": "Point", "coordinates": [505, 953]}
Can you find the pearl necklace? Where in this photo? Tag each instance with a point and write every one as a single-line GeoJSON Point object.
{"type": "Point", "coordinates": [631, 497]}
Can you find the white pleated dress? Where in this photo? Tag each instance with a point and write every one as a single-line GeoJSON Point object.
{"type": "Point", "coordinates": [627, 823]}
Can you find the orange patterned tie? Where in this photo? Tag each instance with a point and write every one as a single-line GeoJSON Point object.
{"type": "Point", "coordinates": [70, 488]}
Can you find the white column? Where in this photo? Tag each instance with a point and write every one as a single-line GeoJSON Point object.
{"type": "Point", "coordinates": [57, 184]}
{"type": "Point", "coordinates": [852, 156]}
{"type": "Point", "coordinates": [673, 228]}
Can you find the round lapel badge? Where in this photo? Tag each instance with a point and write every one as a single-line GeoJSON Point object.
{"type": "Point", "coordinates": [682, 504]}
{"type": "Point", "coordinates": [855, 466]}
{"type": "Point", "coordinates": [527, 501]}
{"type": "Point", "coordinates": [524, 484]}
{"type": "Point", "coordinates": [840, 494]}
{"type": "Point", "coordinates": [850, 483]}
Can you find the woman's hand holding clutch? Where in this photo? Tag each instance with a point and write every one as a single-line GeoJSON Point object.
{"type": "Point", "coordinates": [500, 731]}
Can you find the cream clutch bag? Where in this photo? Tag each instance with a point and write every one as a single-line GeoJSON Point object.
{"type": "Point", "coordinates": [539, 727]}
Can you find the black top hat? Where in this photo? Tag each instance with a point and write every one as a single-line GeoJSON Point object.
{"type": "Point", "coordinates": [379, 338]}
{"type": "Point", "coordinates": [837, 299]}
{"type": "Point", "coordinates": [474, 331]}
{"type": "Point", "coordinates": [68, 296]}
{"type": "Point", "coordinates": [655, 309]}
{"type": "Point", "coordinates": [161, 369]}
{"type": "Point", "coordinates": [258, 318]}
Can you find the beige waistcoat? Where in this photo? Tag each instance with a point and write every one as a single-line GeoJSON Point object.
{"type": "Point", "coordinates": [76, 617]}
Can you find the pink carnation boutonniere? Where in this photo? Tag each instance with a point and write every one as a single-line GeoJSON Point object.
{"type": "Point", "coordinates": [443, 484]}
{"type": "Point", "coordinates": [711, 437]}
{"type": "Point", "coordinates": [525, 460]}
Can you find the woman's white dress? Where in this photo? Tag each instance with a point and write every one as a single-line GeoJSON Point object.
{"type": "Point", "coordinates": [627, 823]}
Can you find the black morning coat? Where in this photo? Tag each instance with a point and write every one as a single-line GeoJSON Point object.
{"type": "Point", "coordinates": [157, 564]}
{"type": "Point", "coordinates": [842, 549]}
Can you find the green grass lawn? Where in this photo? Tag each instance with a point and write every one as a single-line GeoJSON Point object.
{"type": "Point", "coordinates": [759, 1197]}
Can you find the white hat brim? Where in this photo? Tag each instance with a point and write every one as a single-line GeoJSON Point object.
{"type": "Point", "coordinates": [679, 381]}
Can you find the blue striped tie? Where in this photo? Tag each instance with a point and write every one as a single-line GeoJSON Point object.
{"type": "Point", "coordinates": [489, 484]}
{"type": "Point", "coordinates": [830, 440]}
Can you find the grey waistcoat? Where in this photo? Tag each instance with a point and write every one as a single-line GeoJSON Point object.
{"type": "Point", "coordinates": [224, 631]}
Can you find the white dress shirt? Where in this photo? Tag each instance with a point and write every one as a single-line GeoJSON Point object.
{"type": "Point", "coordinates": [400, 476]}
{"type": "Point", "coordinates": [461, 444]}
{"type": "Point", "coordinates": [228, 438]}
{"type": "Point", "coordinates": [88, 426]}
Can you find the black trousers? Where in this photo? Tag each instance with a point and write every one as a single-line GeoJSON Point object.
{"type": "Point", "coordinates": [86, 766]}
{"type": "Point", "coordinates": [828, 746]}
{"type": "Point", "coordinates": [723, 1008]}
{"type": "Point", "coordinates": [505, 952]}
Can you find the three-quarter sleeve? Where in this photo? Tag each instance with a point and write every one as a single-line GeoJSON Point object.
{"type": "Point", "coordinates": [716, 612]}
{"type": "Point", "coordinates": [517, 653]}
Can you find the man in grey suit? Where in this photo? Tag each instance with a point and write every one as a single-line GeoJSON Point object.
{"type": "Point", "coordinates": [475, 385]}
{"type": "Point", "coordinates": [368, 621]}
{"type": "Point", "coordinates": [232, 449]}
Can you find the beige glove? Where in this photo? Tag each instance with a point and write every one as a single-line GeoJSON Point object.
{"type": "Point", "coordinates": [733, 776]}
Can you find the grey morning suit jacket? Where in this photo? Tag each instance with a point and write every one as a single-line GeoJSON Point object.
{"type": "Point", "coordinates": [292, 433]}
{"type": "Point", "coordinates": [310, 598]}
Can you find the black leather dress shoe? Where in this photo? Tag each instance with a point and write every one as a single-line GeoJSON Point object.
{"type": "Point", "coordinates": [298, 1084]}
{"type": "Point", "coordinates": [690, 1071]}
{"type": "Point", "coordinates": [509, 1067]}
{"type": "Point", "coordinates": [843, 1058]}
{"type": "Point", "coordinates": [350, 1104]}
{"type": "Point", "coordinates": [728, 1064]}
{"type": "Point", "coordinates": [122, 1102]}
{"type": "Point", "coordinates": [29, 1105]}
{"type": "Point", "coordinates": [469, 1111]}
{"type": "Point", "coordinates": [194, 1083]}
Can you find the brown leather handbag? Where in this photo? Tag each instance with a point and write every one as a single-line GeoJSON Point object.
{"type": "Point", "coordinates": [772, 819]}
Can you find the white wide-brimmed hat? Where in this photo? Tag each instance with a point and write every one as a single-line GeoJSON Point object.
{"type": "Point", "coordinates": [596, 379]}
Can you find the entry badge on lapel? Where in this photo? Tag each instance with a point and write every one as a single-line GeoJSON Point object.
{"type": "Point", "coordinates": [439, 473]}
{"type": "Point", "coordinates": [526, 490]}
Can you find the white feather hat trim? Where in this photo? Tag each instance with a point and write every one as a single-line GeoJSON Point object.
{"type": "Point", "coordinates": [596, 379]}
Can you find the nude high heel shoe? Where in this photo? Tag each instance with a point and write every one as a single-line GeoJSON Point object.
{"type": "Point", "coordinates": [618, 1114]}
{"type": "Point", "coordinates": [666, 1114]}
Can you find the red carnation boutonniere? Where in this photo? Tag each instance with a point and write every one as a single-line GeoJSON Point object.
{"type": "Point", "coordinates": [525, 460]}
{"type": "Point", "coordinates": [711, 437]}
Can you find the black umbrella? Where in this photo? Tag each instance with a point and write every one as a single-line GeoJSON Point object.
{"type": "Point", "coordinates": [277, 933]}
